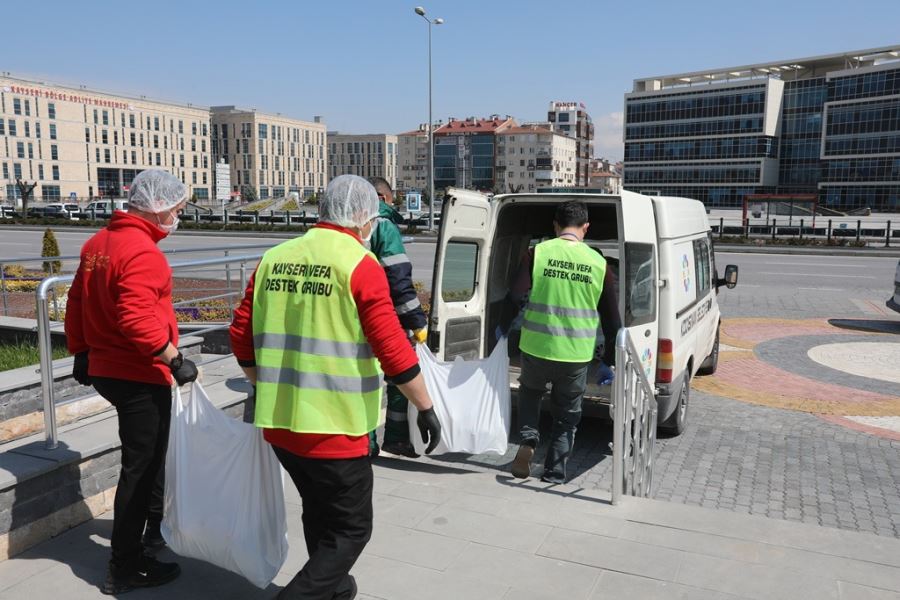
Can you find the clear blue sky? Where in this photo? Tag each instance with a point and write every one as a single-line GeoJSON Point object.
{"type": "Point", "coordinates": [362, 65]}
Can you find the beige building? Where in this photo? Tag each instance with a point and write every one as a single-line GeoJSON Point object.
{"type": "Point", "coordinates": [412, 159]}
{"type": "Point", "coordinates": [272, 154]}
{"type": "Point", "coordinates": [367, 155]}
{"type": "Point", "coordinates": [75, 142]}
{"type": "Point", "coordinates": [532, 157]}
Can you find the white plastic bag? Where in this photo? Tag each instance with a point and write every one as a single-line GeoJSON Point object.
{"type": "Point", "coordinates": [471, 399]}
{"type": "Point", "coordinates": [224, 500]}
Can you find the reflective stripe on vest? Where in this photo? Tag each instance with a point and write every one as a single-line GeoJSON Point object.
{"type": "Point", "coordinates": [561, 317]}
{"type": "Point", "coordinates": [316, 373]}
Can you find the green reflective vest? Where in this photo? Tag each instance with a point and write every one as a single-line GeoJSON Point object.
{"type": "Point", "coordinates": [561, 316]}
{"type": "Point", "coordinates": [316, 372]}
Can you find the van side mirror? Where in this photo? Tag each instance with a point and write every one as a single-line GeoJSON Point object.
{"type": "Point", "coordinates": [731, 277]}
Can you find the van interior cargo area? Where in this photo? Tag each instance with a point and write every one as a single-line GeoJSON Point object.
{"type": "Point", "coordinates": [523, 225]}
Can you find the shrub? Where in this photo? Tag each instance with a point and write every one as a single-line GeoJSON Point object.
{"type": "Point", "coordinates": [50, 248]}
{"type": "Point", "coordinates": [14, 271]}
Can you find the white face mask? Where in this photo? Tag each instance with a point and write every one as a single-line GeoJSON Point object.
{"type": "Point", "coordinates": [169, 228]}
{"type": "Point", "coordinates": [371, 231]}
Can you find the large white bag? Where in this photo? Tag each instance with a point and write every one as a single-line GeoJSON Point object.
{"type": "Point", "coordinates": [224, 500]}
{"type": "Point", "coordinates": [471, 399]}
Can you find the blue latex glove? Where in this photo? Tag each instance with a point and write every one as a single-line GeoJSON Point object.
{"type": "Point", "coordinates": [499, 333]}
{"type": "Point", "coordinates": [606, 375]}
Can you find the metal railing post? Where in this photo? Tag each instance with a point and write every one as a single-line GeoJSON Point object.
{"type": "Point", "coordinates": [721, 227]}
{"type": "Point", "coordinates": [887, 238]}
{"type": "Point", "coordinates": [243, 276]}
{"type": "Point", "coordinates": [801, 229]}
{"type": "Point", "coordinates": [3, 288]}
{"type": "Point", "coordinates": [829, 231]}
{"type": "Point", "coordinates": [619, 418]}
{"type": "Point", "coordinates": [227, 273]}
{"type": "Point", "coordinates": [774, 228]}
{"type": "Point", "coordinates": [858, 229]}
{"type": "Point", "coordinates": [45, 350]}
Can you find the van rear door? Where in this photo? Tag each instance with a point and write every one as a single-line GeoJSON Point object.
{"type": "Point", "coordinates": [458, 296]}
{"type": "Point", "coordinates": [638, 278]}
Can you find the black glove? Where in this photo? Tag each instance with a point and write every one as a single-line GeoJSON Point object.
{"type": "Point", "coordinates": [429, 427]}
{"type": "Point", "coordinates": [80, 368]}
{"type": "Point", "coordinates": [183, 370]}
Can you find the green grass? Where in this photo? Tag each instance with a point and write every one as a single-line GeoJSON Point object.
{"type": "Point", "coordinates": [13, 356]}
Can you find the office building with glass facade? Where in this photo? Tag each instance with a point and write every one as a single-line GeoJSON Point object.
{"type": "Point", "coordinates": [827, 125]}
{"type": "Point", "coordinates": [465, 152]}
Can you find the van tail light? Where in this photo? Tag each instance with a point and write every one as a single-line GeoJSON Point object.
{"type": "Point", "coordinates": [664, 361]}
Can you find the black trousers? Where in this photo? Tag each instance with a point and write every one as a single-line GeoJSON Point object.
{"type": "Point", "coordinates": [567, 383]}
{"type": "Point", "coordinates": [337, 521]}
{"type": "Point", "coordinates": [145, 412]}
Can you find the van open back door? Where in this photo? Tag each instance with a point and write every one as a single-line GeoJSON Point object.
{"type": "Point", "coordinates": [639, 277]}
{"type": "Point", "coordinates": [458, 295]}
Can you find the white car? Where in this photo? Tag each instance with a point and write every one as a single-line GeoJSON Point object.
{"type": "Point", "coordinates": [894, 302]}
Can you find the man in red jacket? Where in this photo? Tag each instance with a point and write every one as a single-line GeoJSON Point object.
{"type": "Point", "coordinates": [120, 325]}
{"type": "Point", "coordinates": [318, 393]}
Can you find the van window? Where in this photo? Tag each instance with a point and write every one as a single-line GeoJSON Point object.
{"type": "Point", "coordinates": [640, 284]}
{"type": "Point", "coordinates": [701, 267]}
{"type": "Point", "coordinates": [712, 257]}
{"type": "Point", "coordinates": [460, 266]}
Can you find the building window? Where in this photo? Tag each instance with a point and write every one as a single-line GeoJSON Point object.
{"type": "Point", "coordinates": [205, 130]}
{"type": "Point", "coordinates": [5, 171]}
{"type": "Point", "coordinates": [17, 170]}
{"type": "Point", "coordinates": [106, 155]}
{"type": "Point", "coordinates": [155, 123]}
{"type": "Point", "coordinates": [158, 159]}
{"type": "Point", "coordinates": [96, 117]}
{"type": "Point", "coordinates": [55, 173]}
{"type": "Point", "coordinates": [195, 161]}
{"type": "Point", "coordinates": [97, 154]}
{"type": "Point", "coordinates": [41, 172]}
{"type": "Point", "coordinates": [27, 129]}
{"type": "Point", "coordinates": [17, 106]}
{"type": "Point", "coordinates": [104, 137]}
{"type": "Point", "coordinates": [52, 131]}
{"type": "Point", "coordinates": [204, 178]}
{"type": "Point", "coordinates": [131, 121]}
{"type": "Point", "coordinates": [27, 108]}
{"type": "Point", "coordinates": [133, 140]}
{"type": "Point", "coordinates": [30, 150]}
{"type": "Point", "coordinates": [181, 127]}
{"type": "Point", "coordinates": [133, 157]}
{"type": "Point", "coordinates": [193, 128]}
{"type": "Point", "coordinates": [12, 127]}
{"type": "Point", "coordinates": [194, 177]}
{"type": "Point", "coordinates": [50, 192]}
{"type": "Point", "coordinates": [20, 149]}
{"type": "Point", "coordinates": [37, 130]}
{"type": "Point", "coordinates": [106, 117]}
{"type": "Point", "coordinates": [193, 145]}
{"type": "Point", "coordinates": [2, 127]}
{"type": "Point", "coordinates": [181, 159]}
{"type": "Point", "coordinates": [263, 131]}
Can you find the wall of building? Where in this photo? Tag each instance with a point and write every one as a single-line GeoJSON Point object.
{"type": "Point", "coordinates": [370, 155]}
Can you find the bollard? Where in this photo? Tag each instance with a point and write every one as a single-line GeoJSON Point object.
{"type": "Point", "coordinates": [801, 229]}
{"type": "Point", "coordinates": [225, 218]}
{"type": "Point", "coordinates": [774, 228]}
{"type": "Point", "coordinates": [858, 229]}
{"type": "Point", "coordinates": [3, 288]}
{"type": "Point", "coordinates": [829, 231]}
{"type": "Point", "coordinates": [887, 235]}
{"type": "Point", "coordinates": [721, 227]}
{"type": "Point", "coordinates": [746, 228]}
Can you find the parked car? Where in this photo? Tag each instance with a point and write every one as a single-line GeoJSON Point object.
{"type": "Point", "coordinates": [71, 208]}
{"type": "Point", "coordinates": [48, 212]}
{"type": "Point", "coordinates": [894, 301]}
{"type": "Point", "coordinates": [102, 209]}
{"type": "Point", "coordinates": [8, 212]}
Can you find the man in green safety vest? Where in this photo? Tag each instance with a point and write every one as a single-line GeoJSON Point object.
{"type": "Point", "coordinates": [315, 330]}
{"type": "Point", "coordinates": [570, 288]}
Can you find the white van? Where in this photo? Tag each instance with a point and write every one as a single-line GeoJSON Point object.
{"type": "Point", "coordinates": [103, 208]}
{"type": "Point", "coordinates": [661, 249]}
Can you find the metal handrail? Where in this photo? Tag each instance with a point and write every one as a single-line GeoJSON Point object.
{"type": "Point", "coordinates": [634, 428]}
{"type": "Point", "coordinates": [43, 331]}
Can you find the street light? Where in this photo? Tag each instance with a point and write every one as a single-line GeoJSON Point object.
{"type": "Point", "coordinates": [438, 21]}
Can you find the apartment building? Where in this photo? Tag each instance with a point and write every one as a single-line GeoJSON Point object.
{"type": "Point", "coordinates": [272, 155]}
{"type": "Point", "coordinates": [532, 157]}
{"type": "Point", "coordinates": [367, 155]}
{"type": "Point", "coordinates": [79, 143]}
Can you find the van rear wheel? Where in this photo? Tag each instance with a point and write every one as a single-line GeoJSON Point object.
{"type": "Point", "coordinates": [709, 366]}
{"type": "Point", "coordinates": [677, 421]}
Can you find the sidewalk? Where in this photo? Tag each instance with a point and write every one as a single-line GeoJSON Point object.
{"type": "Point", "coordinates": [448, 533]}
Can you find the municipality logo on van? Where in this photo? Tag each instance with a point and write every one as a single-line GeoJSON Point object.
{"type": "Point", "coordinates": [685, 272]}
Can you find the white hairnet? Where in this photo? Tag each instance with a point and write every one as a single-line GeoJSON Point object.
{"type": "Point", "coordinates": [156, 191]}
{"type": "Point", "coordinates": [350, 201]}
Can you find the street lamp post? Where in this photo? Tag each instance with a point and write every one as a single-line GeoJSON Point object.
{"type": "Point", "coordinates": [438, 21]}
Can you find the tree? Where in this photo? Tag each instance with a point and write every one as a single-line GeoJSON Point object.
{"type": "Point", "coordinates": [25, 190]}
{"type": "Point", "coordinates": [314, 199]}
{"type": "Point", "coordinates": [515, 188]}
{"type": "Point", "coordinates": [248, 194]}
{"type": "Point", "coordinates": [50, 249]}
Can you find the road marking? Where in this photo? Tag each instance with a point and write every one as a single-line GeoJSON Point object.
{"type": "Point", "coordinates": [806, 264]}
{"type": "Point", "coordinates": [816, 275]}
{"type": "Point", "coordinates": [821, 289]}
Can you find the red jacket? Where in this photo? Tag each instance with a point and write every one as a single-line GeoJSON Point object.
{"type": "Point", "coordinates": [120, 303]}
{"type": "Point", "coordinates": [389, 343]}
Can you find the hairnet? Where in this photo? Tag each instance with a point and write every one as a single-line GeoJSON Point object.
{"type": "Point", "coordinates": [350, 201]}
{"type": "Point", "coordinates": [156, 191]}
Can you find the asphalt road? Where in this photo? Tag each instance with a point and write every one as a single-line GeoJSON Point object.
{"type": "Point", "coordinates": [769, 285]}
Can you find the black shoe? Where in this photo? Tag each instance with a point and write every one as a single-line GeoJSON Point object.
{"type": "Point", "coordinates": [152, 540]}
{"type": "Point", "coordinates": [400, 449]}
{"type": "Point", "coordinates": [149, 573]}
{"type": "Point", "coordinates": [349, 593]}
{"type": "Point", "coordinates": [521, 464]}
